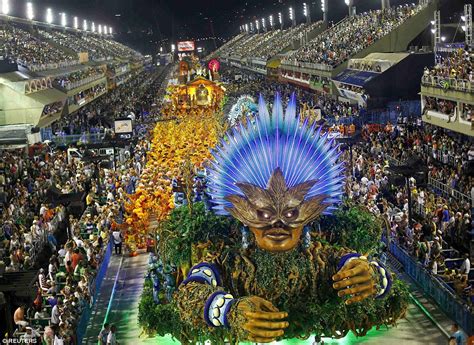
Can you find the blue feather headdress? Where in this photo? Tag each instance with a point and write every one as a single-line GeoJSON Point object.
{"type": "Point", "coordinates": [251, 153]}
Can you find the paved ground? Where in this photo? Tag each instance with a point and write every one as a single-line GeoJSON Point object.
{"type": "Point", "coordinates": [415, 329]}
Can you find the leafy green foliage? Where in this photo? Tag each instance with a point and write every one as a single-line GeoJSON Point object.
{"type": "Point", "coordinates": [355, 228]}
{"type": "Point", "coordinates": [183, 229]}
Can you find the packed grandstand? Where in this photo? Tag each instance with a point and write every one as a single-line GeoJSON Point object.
{"type": "Point", "coordinates": [102, 147]}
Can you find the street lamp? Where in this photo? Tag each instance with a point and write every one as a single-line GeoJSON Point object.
{"type": "Point", "coordinates": [49, 16]}
{"type": "Point", "coordinates": [6, 7]}
{"type": "Point", "coordinates": [30, 14]}
{"type": "Point", "coordinates": [76, 23]}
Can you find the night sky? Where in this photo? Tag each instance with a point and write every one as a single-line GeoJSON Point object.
{"type": "Point", "coordinates": [149, 24]}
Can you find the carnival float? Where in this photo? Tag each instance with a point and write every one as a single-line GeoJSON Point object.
{"type": "Point", "coordinates": [254, 240]}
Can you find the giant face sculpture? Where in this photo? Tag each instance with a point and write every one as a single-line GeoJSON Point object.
{"type": "Point", "coordinates": [276, 215]}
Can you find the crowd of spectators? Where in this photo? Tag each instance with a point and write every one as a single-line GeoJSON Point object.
{"type": "Point", "coordinates": [22, 46]}
{"type": "Point", "coordinates": [65, 280]}
{"type": "Point", "coordinates": [281, 40]}
{"type": "Point", "coordinates": [440, 234]}
{"type": "Point", "coordinates": [456, 65]}
{"type": "Point", "coordinates": [77, 78]}
{"type": "Point", "coordinates": [352, 35]}
{"type": "Point", "coordinates": [439, 105]}
{"type": "Point", "coordinates": [98, 47]}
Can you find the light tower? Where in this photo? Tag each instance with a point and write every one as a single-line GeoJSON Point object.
{"type": "Point", "coordinates": [270, 19]}
{"type": "Point", "coordinates": [76, 23]}
{"type": "Point", "coordinates": [467, 25]}
{"type": "Point", "coordinates": [264, 25]}
{"type": "Point", "coordinates": [351, 7]}
{"type": "Point", "coordinates": [63, 19]}
{"type": "Point", "coordinates": [84, 25]}
{"type": "Point", "coordinates": [49, 16]}
{"type": "Point", "coordinates": [324, 8]}
{"type": "Point", "coordinates": [292, 17]}
{"type": "Point", "coordinates": [306, 13]}
{"type": "Point", "coordinates": [30, 14]}
{"type": "Point", "coordinates": [257, 25]}
{"type": "Point", "coordinates": [6, 7]}
{"type": "Point", "coordinates": [280, 20]}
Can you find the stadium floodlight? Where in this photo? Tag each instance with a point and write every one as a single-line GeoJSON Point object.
{"type": "Point", "coordinates": [306, 13]}
{"type": "Point", "coordinates": [280, 18]}
{"type": "Point", "coordinates": [49, 16]}
{"type": "Point", "coordinates": [463, 18]}
{"type": "Point", "coordinates": [251, 26]}
{"type": "Point", "coordinates": [76, 23]}
{"type": "Point", "coordinates": [84, 25]}
{"type": "Point", "coordinates": [257, 24]}
{"type": "Point", "coordinates": [291, 13]}
{"type": "Point", "coordinates": [347, 2]}
{"type": "Point", "coordinates": [30, 14]}
{"type": "Point", "coordinates": [433, 31]}
{"type": "Point", "coordinates": [161, 49]}
{"type": "Point", "coordinates": [100, 29]}
{"type": "Point", "coordinates": [247, 27]}
{"type": "Point", "coordinates": [432, 22]}
{"type": "Point", "coordinates": [264, 26]}
{"type": "Point", "coordinates": [110, 30]}
{"type": "Point", "coordinates": [93, 27]}
{"type": "Point", "coordinates": [271, 20]}
{"type": "Point", "coordinates": [292, 17]}
{"type": "Point", "coordinates": [464, 28]}
{"type": "Point", "coordinates": [63, 19]}
{"type": "Point", "coordinates": [5, 7]}
{"type": "Point", "coordinates": [443, 38]}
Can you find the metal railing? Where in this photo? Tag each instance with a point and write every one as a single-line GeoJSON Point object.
{"type": "Point", "coordinates": [86, 138]}
{"type": "Point", "coordinates": [449, 302]}
{"type": "Point", "coordinates": [49, 66]}
{"type": "Point", "coordinates": [437, 185]}
{"type": "Point", "coordinates": [462, 85]}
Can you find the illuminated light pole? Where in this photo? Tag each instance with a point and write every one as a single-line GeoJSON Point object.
{"type": "Point", "coordinates": [247, 28]}
{"type": "Point", "coordinates": [100, 29]}
{"type": "Point", "coordinates": [63, 19]}
{"type": "Point", "coordinates": [280, 19]}
{"type": "Point", "coordinates": [173, 47]}
{"type": "Point", "coordinates": [351, 7]}
{"type": "Point", "coordinates": [306, 13]}
{"type": "Point", "coordinates": [324, 8]}
{"type": "Point", "coordinates": [30, 14]}
{"type": "Point", "coordinates": [76, 23]}
{"type": "Point", "coordinates": [292, 17]}
{"type": "Point", "coordinates": [467, 27]}
{"type": "Point", "coordinates": [385, 4]}
{"type": "Point", "coordinates": [84, 25]}
{"type": "Point", "coordinates": [111, 31]}
{"type": "Point", "coordinates": [93, 27]}
{"type": "Point", "coordinates": [264, 26]}
{"type": "Point", "coordinates": [49, 16]}
{"type": "Point", "coordinates": [251, 26]}
{"type": "Point", "coordinates": [5, 7]}
{"type": "Point", "coordinates": [257, 25]}
{"type": "Point", "coordinates": [271, 21]}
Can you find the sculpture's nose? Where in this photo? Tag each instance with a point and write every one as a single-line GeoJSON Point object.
{"type": "Point", "coordinates": [279, 224]}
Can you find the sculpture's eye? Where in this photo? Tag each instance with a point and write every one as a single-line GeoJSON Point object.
{"type": "Point", "coordinates": [264, 214]}
{"type": "Point", "coordinates": [291, 213]}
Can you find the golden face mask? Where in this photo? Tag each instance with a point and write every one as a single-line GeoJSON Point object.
{"type": "Point", "coordinates": [276, 215]}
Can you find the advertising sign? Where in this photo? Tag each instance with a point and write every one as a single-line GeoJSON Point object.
{"type": "Point", "coordinates": [185, 46]}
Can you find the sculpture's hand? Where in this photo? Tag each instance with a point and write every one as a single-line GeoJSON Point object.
{"type": "Point", "coordinates": [356, 279]}
{"type": "Point", "coordinates": [262, 321]}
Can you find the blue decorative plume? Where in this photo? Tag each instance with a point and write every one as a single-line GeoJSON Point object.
{"type": "Point", "coordinates": [251, 153]}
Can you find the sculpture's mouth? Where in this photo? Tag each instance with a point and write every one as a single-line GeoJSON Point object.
{"type": "Point", "coordinates": [277, 234]}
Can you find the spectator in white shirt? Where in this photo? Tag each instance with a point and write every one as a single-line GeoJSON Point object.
{"type": "Point", "coordinates": [111, 340]}
{"type": "Point", "coordinates": [466, 265]}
